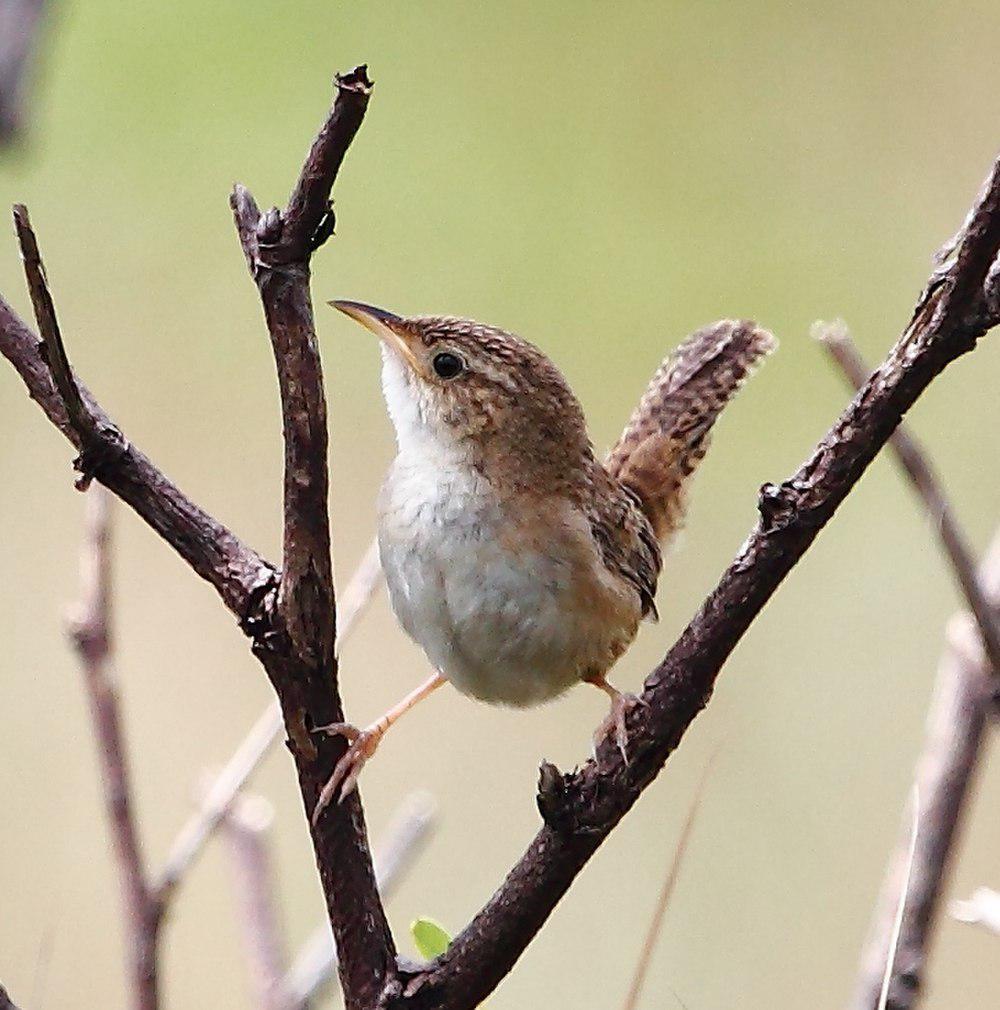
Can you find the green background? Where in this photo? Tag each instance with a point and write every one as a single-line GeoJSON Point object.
{"type": "Point", "coordinates": [602, 179]}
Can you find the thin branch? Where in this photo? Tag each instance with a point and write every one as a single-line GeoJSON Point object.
{"type": "Point", "coordinates": [20, 27]}
{"type": "Point", "coordinates": [957, 306]}
{"type": "Point", "coordinates": [292, 625]}
{"type": "Point", "coordinates": [91, 635]}
{"type": "Point", "coordinates": [257, 743]}
{"type": "Point", "coordinates": [945, 773]}
{"type": "Point", "coordinates": [300, 654]}
{"type": "Point", "coordinates": [240, 576]}
{"type": "Point", "coordinates": [914, 460]}
{"type": "Point", "coordinates": [245, 828]}
{"type": "Point", "coordinates": [666, 893]}
{"type": "Point", "coordinates": [316, 963]}
{"type": "Point", "coordinates": [982, 909]}
{"type": "Point", "coordinates": [897, 923]}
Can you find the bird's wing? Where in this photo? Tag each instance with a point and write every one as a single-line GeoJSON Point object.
{"type": "Point", "coordinates": [627, 543]}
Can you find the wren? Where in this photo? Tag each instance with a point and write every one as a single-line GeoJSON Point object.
{"type": "Point", "coordinates": [520, 562]}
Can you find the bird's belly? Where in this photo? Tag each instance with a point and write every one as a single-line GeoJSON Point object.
{"type": "Point", "coordinates": [510, 619]}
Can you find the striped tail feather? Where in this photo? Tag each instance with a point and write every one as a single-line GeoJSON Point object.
{"type": "Point", "coordinates": [668, 434]}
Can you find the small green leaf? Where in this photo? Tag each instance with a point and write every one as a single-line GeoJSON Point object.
{"type": "Point", "coordinates": [430, 937]}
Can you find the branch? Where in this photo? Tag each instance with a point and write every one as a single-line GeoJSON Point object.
{"type": "Point", "coordinates": [316, 964]}
{"type": "Point", "coordinates": [260, 738]}
{"type": "Point", "coordinates": [20, 25]}
{"type": "Point", "coordinates": [91, 634]}
{"type": "Point", "coordinates": [245, 828]}
{"type": "Point", "coordinates": [240, 576]}
{"type": "Point", "coordinates": [299, 652]}
{"type": "Point", "coordinates": [955, 309]}
{"type": "Point", "coordinates": [956, 724]}
{"type": "Point", "coordinates": [914, 460]}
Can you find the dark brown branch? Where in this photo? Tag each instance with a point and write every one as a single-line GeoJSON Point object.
{"type": "Point", "coordinates": [945, 775]}
{"type": "Point", "coordinates": [238, 574]}
{"type": "Point", "coordinates": [914, 460]}
{"type": "Point", "coordinates": [316, 963]}
{"type": "Point", "coordinates": [20, 24]}
{"type": "Point", "coordinates": [91, 634]}
{"type": "Point", "coordinates": [582, 808]}
{"type": "Point", "coordinates": [299, 652]}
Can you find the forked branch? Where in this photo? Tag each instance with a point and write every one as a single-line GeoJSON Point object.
{"type": "Point", "coordinates": [291, 619]}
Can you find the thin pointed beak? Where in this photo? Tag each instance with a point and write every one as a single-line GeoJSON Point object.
{"type": "Point", "coordinates": [387, 326]}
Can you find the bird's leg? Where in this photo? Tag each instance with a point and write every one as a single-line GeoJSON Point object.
{"type": "Point", "coordinates": [621, 703]}
{"type": "Point", "coordinates": [364, 743]}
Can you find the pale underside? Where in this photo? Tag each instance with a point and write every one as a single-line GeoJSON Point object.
{"type": "Point", "coordinates": [510, 600]}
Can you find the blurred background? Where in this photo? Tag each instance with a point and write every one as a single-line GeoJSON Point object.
{"type": "Point", "coordinates": [601, 179]}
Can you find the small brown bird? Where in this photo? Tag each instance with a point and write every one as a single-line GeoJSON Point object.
{"type": "Point", "coordinates": [519, 561]}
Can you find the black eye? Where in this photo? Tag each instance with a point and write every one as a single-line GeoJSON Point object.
{"type": "Point", "coordinates": [448, 365]}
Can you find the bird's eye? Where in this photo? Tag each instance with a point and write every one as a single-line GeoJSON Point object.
{"type": "Point", "coordinates": [447, 365]}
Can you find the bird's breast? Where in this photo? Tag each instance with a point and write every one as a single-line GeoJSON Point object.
{"type": "Point", "coordinates": [508, 597]}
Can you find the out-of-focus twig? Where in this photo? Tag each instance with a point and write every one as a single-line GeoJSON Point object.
{"type": "Point", "coordinates": [955, 727]}
{"type": "Point", "coordinates": [20, 28]}
{"type": "Point", "coordinates": [956, 724]}
{"type": "Point", "coordinates": [897, 925]}
{"type": "Point", "coordinates": [315, 965]}
{"type": "Point", "coordinates": [666, 893]}
{"type": "Point", "coordinates": [90, 629]}
{"type": "Point", "coordinates": [982, 909]}
{"type": "Point", "coordinates": [245, 828]}
{"type": "Point", "coordinates": [914, 460]}
{"type": "Point", "coordinates": [259, 740]}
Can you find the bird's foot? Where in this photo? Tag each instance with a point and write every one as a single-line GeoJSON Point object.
{"type": "Point", "coordinates": [616, 721]}
{"type": "Point", "coordinates": [362, 745]}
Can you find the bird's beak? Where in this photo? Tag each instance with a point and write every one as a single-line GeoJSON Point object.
{"type": "Point", "coordinates": [387, 326]}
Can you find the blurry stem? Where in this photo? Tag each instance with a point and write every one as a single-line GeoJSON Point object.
{"type": "Point", "coordinates": [956, 723]}
{"type": "Point", "coordinates": [666, 892]}
{"type": "Point", "coordinates": [89, 627]}
{"type": "Point", "coordinates": [914, 461]}
{"type": "Point", "coordinates": [259, 740]}
{"type": "Point", "coordinates": [245, 828]}
{"type": "Point", "coordinates": [20, 27]}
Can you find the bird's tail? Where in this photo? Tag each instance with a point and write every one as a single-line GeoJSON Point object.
{"type": "Point", "coordinates": [668, 435]}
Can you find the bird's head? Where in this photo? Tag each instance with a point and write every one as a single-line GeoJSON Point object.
{"type": "Point", "coordinates": [457, 383]}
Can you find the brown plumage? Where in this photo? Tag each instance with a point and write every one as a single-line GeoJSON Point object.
{"type": "Point", "coordinates": [519, 561]}
{"type": "Point", "coordinates": [668, 434]}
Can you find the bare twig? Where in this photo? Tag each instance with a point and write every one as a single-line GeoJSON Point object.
{"type": "Point", "coordinates": [897, 923]}
{"type": "Point", "coordinates": [956, 723]}
{"type": "Point", "coordinates": [982, 909]}
{"type": "Point", "coordinates": [258, 741]}
{"type": "Point", "coordinates": [914, 460]}
{"type": "Point", "coordinates": [245, 828]}
{"type": "Point", "coordinates": [300, 654]}
{"type": "Point", "coordinates": [291, 621]}
{"type": "Point", "coordinates": [316, 963]}
{"type": "Point", "coordinates": [957, 306]}
{"type": "Point", "coordinates": [20, 24]}
{"type": "Point", "coordinates": [238, 573]}
{"type": "Point", "coordinates": [90, 631]}
{"type": "Point", "coordinates": [666, 893]}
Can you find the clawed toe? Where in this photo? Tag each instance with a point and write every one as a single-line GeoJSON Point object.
{"type": "Point", "coordinates": [340, 785]}
{"type": "Point", "coordinates": [617, 721]}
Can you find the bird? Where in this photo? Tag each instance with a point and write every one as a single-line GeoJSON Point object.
{"type": "Point", "coordinates": [521, 562]}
